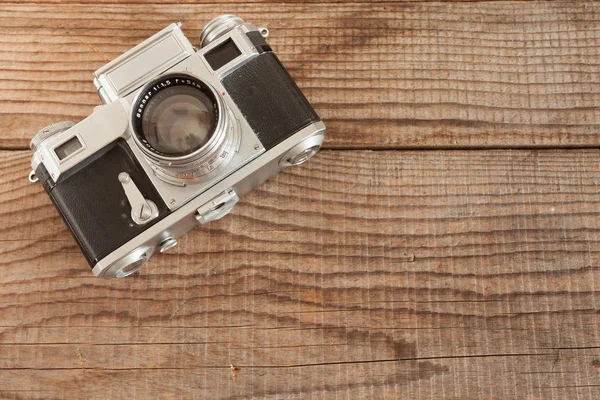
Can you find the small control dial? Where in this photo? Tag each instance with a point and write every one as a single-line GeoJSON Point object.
{"type": "Point", "coordinates": [49, 131]}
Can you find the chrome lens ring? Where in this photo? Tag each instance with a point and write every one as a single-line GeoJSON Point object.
{"type": "Point", "coordinates": [201, 163]}
{"type": "Point", "coordinates": [151, 94]}
{"type": "Point", "coordinates": [206, 164]}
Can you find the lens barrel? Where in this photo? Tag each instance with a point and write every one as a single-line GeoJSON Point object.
{"type": "Point", "coordinates": [178, 118]}
{"type": "Point", "coordinates": [205, 152]}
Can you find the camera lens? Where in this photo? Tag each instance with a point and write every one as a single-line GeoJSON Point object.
{"type": "Point", "coordinates": [178, 121]}
{"type": "Point", "coordinates": [184, 128]}
{"type": "Point", "coordinates": [175, 116]}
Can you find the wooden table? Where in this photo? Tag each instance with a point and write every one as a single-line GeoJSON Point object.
{"type": "Point", "coordinates": [445, 244]}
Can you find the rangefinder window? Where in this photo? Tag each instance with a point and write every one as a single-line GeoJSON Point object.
{"type": "Point", "coordinates": [222, 54]}
{"type": "Point", "coordinates": [69, 147]}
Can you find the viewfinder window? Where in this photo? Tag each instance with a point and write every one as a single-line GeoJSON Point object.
{"type": "Point", "coordinates": [222, 54]}
{"type": "Point", "coordinates": [67, 148]}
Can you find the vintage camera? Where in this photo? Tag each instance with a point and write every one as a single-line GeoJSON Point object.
{"type": "Point", "coordinates": [183, 134]}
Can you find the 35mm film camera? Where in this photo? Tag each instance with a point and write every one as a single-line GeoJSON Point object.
{"type": "Point", "coordinates": [183, 134]}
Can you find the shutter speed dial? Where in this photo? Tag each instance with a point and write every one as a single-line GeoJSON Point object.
{"type": "Point", "coordinates": [49, 131]}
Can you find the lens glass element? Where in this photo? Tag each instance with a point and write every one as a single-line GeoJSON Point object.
{"type": "Point", "coordinates": [176, 116]}
{"type": "Point", "coordinates": [178, 121]}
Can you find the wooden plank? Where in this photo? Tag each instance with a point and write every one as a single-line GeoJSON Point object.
{"type": "Point", "coordinates": [394, 75]}
{"type": "Point", "coordinates": [420, 274]}
{"type": "Point", "coordinates": [217, 2]}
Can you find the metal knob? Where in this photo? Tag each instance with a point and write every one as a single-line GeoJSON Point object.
{"type": "Point", "coordinates": [303, 151]}
{"type": "Point", "coordinates": [129, 264]}
{"type": "Point", "coordinates": [49, 131]}
{"type": "Point", "coordinates": [167, 244]}
{"type": "Point", "coordinates": [125, 266]}
{"type": "Point", "coordinates": [304, 155]}
{"type": "Point", "coordinates": [218, 27]}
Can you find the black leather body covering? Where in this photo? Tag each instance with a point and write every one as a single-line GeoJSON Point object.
{"type": "Point", "coordinates": [269, 98]}
{"type": "Point", "coordinates": [92, 201]}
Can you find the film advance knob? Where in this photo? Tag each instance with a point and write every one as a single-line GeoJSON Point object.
{"type": "Point", "coordinates": [48, 131]}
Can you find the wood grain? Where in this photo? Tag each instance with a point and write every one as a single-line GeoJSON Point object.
{"type": "Point", "coordinates": [366, 274]}
{"type": "Point", "coordinates": [215, 2]}
{"type": "Point", "coordinates": [392, 75]}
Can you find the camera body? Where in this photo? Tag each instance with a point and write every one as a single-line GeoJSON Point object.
{"type": "Point", "coordinates": [183, 134]}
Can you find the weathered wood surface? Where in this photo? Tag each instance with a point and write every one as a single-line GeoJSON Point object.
{"type": "Point", "coordinates": [69, 2]}
{"type": "Point", "coordinates": [393, 75]}
{"type": "Point", "coordinates": [366, 274]}
{"type": "Point", "coordinates": [388, 274]}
